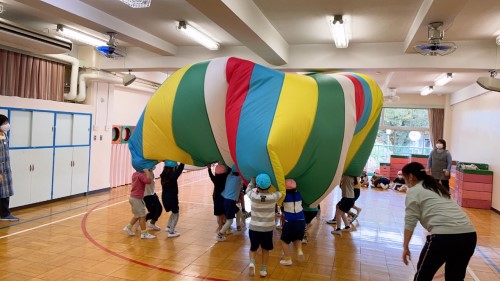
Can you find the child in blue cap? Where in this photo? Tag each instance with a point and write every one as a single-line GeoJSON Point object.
{"type": "Point", "coordinates": [170, 194]}
{"type": "Point", "coordinates": [262, 221]}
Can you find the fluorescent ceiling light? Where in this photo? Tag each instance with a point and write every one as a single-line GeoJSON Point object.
{"type": "Point", "coordinates": [198, 36]}
{"type": "Point", "coordinates": [80, 36]}
{"type": "Point", "coordinates": [137, 3]}
{"type": "Point", "coordinates": [338, 28]}
{"type": "Point", "coordinates": [427, 90]}
{"type": "Point", "coordinates": [443, 79]}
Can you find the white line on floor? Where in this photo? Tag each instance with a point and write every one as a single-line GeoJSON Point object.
{"type": "Point", "coordinates": [474, 276]}
{"type": "Point", "coordinates": [81, 214]}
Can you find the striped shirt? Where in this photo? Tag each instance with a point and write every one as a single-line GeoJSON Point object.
{"type": "Point", "coordinates": [292, 206]}
{"type": "Point", "coordinates": [263, 203]}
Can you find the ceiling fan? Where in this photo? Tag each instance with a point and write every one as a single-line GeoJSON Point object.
{"type": "Point", "coordinates": [391, 96]}
{"type": "Point", "coordinates": [435, 47]}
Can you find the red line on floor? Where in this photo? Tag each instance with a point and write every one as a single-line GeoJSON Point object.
{"type": "Point", "coordinates": [93, 241]}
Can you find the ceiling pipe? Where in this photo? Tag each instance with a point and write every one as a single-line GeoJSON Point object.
{"type": "Point", "coordinates": [84, 77]}
{"type": "Point", "coordinates": [75, 65]}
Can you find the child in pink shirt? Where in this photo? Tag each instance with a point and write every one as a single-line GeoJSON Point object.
{"type": "Point", "coordinates": [139, 182]}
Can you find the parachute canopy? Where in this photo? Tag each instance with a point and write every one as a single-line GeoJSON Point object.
{"type": "Point", "coordinates": [310, 128]}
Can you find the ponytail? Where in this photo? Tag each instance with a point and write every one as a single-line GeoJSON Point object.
{"type": "Point", "coordinates": [416, 169]}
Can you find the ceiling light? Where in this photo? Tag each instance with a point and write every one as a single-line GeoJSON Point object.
{"type": "Point", "coordinates": [427, 90]}
{"type": "Point", "coordinates": [80, 36]}
{"type": "Point", "coordinates": [137, 3]}
{"type": "Point", "coordinates": [339, 31]}
{"type": "Point", "coordinates": [128, 78]}
{"type": "Point", "coordinates": [198, 36]}
{"type": "Point", "coordinates": [443, 79]}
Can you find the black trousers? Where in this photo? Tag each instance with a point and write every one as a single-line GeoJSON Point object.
{"type": "Point", "coordinates": [4, 207]}
{"type": "Point", "coordinates": [446, 184]}
{"type": "Point", "coordinates": [453, 250]}
{"type": "Point", "coordinates": [154, 207]}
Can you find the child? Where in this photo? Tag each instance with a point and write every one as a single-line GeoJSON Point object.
{"type": "Point", "coordinates": [364, 179]}
{"type": "Point", "coordinates": [231, 193]}
{"type": "Point", "coordinates": [152, 203]}
{"type": "Point", "coordinates": [345, 204]}
{"type": "Point", "coordinates": [357, 192]}
{"type": "Point", "coordinates": [295, 225]}
{"type": "Point", "coordinates": [262, 220]}
{"type": "Point", "coordinates": [139, 181]}
{"type": "Point", "coordinates": [380, 181]}
{"type": "Point", "coordinates": [170, 194]}
{"type": "Point", "coordinates": [399, 183]}
{"type": "Point", "coordinates": [309, 215]}
{"type": "Point", "coordinates": [219, 180]}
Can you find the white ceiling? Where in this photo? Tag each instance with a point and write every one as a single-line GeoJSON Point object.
{"type": "Point", "coordinates": [290, 35]}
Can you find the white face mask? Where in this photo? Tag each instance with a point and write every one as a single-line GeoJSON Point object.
{"type": "Point", "coordinates": [5, 128]}
{"type": "Point", "coordinates": [439, 145]}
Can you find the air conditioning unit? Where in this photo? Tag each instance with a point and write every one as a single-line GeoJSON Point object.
{"type": "Point", "coordinates": [18, 37]}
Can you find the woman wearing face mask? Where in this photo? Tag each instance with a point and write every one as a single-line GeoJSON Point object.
{"type": "Point", "coordinates": [439, 163]}
{"type": "Point", "coordinates": [452, 237]}
{"type": "Point", "coordinates": [5, 173]}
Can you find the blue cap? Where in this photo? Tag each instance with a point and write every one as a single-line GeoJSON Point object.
{"type": "Point", "coordinates": [263, 181]}
{"type": "Point", "coordinates": [170, 164]}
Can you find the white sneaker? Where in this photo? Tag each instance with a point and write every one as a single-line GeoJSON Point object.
{"type": "Point", "coordinates": [220, 238]}
{"type": "Point", "coordinates": [129, 231]}
{"type": "Point", "coordinates": [251, 269]}
{"type": "Point", "coordinates": [154, 226]}
{"type": "Point", "coordinates": [300, 256]}
{"type": "Point", "coordinates": [337, 231]}
{"type": "Point", "coordinates": [332, 221]}
{"type": "Point", "coordinates": [173, 234]}
{"type": "Point", "coordinates": [147, 236]}
{"type": "Point", "coordinates": [229, 231]}
{"type": "Point", "coordinates": [263, 272]}
{"type": "Point", "coordinates": [285, 262]}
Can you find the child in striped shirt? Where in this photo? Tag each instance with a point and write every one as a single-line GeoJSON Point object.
{"type": "Point", "coordinates": [262, 220]}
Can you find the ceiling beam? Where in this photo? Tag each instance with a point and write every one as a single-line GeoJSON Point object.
{"type": "Point", "coordinates": [87, 16]}
{"type": "Point", "coordinates": [245, 22]}
{"type": "Point", "coordinates": [431, 11]}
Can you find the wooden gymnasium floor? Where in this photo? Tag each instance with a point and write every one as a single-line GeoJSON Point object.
{"type": "Point", "coordinates": [82, 239]}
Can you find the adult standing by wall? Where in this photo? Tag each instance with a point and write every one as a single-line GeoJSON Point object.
{"type": "Point", "coordinates": [6, 190]}
{"type": "Point", "coordinates": [452, 237]}
{"type": "Point", "coordinates": [439, 163]}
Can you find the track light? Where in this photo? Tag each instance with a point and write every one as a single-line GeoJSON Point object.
{"type": "Point", "coordinates": [339, 32]}
{"type": "Point", "coordinates": [128, 78]}
{"type": "Point", "coordinates": [198, 36]}
{"type": "Point", "coordinates": [80, 36]}
{"type": "Point", "coordinates": [427, 90]}
{"type": "Point", "coordinates": [443, 79]}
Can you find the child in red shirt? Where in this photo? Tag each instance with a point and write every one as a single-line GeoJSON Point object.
{"type": "Point", "coordinates": [139, 182]}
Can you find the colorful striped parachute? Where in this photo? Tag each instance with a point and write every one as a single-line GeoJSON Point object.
{"type": "Point", "coordinates": [310, 128]}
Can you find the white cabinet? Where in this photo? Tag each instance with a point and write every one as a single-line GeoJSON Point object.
{"type": "Point", "coordinates": [72, 129]}
{"type": "Point", "coordinates": [31, 175]}
{"type": "Point", "coordinates": [71, 169]}
{"type": "Point", "coordinates": [31, 128]}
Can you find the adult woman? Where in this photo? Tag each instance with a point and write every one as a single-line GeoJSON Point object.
{"type": "Point", "coordinates": [439, 163]}
{"type": "Point", "coordinates": [452, 237]}
{"type": "Point", "coordinates": [5, 173]}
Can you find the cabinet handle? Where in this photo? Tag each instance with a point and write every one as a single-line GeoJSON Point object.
{"type": "Point", "coordinates": [33, 167]}
{"type": "Point", "coordinates": [30, 167]}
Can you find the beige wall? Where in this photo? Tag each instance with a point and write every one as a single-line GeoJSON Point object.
{"type": "Point", "coordinates": [128, 105]}
{"type": "Point", "coordinates": [475, 134]}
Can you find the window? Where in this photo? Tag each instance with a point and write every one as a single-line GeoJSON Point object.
{"type": "Point", "coordinates": [403, 131]}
